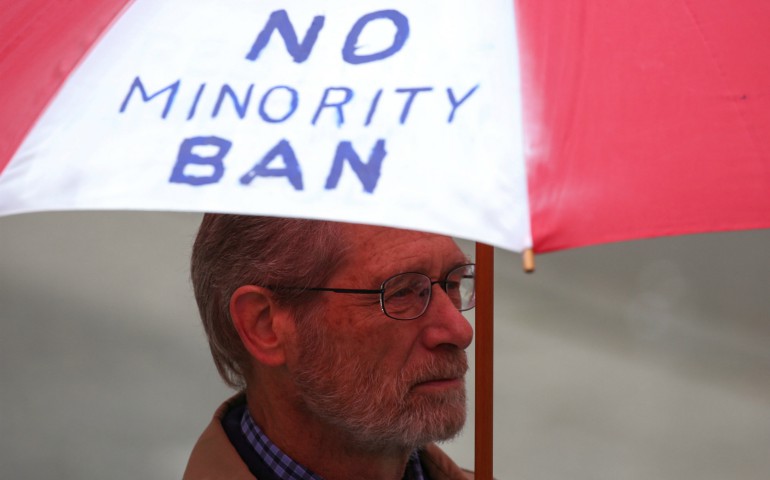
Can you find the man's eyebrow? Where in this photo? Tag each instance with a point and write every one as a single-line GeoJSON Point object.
{"type": "Point", "coordinates": [446, 267]}
{"type": "Point", "coordinates": [461, 260]}
{"type": "Point", "coordinates": [456, 265]}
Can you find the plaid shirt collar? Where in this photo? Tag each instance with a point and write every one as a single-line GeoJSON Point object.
{"type": "Point", "coordinates": [287, 469]}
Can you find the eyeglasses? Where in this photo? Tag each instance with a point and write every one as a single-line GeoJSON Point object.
{"type": "Point", "coordinates": [406, 296]}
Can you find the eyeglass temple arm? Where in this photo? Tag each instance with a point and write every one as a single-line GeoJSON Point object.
{"type": "Point", "coordinates": [344, 290]}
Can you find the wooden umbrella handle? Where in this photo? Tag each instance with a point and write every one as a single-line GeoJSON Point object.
{"type": "Point", "coordinates": [485, 284]}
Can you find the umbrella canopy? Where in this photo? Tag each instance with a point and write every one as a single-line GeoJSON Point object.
{"type": "Point", "coordinates": [641, 118]}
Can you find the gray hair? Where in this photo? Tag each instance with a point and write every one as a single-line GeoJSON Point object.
{"type": "Point", "coordinates": [235, 250]}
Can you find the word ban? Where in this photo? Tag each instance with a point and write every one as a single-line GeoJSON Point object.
{"type": "Point", "coordinates": [188, 160]}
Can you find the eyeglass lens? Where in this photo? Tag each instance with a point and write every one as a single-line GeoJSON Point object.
{"type": "Point", "coordinates": [407, 295]}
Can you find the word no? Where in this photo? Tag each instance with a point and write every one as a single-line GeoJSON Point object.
{"type": "Point", "coordinates": [300, 50]}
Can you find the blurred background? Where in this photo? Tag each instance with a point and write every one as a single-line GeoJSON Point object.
{"type": "Point", "coordinates": [641, 360]}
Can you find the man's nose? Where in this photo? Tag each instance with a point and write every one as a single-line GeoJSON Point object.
{"type": "Point", "coordinates": [445, 324]}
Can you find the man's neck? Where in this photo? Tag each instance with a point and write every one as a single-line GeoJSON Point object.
{"type": "Point", "coordinates": [320, 447]}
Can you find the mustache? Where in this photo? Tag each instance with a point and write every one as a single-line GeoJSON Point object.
{"type": "Point", "coordinates": [447, 364]}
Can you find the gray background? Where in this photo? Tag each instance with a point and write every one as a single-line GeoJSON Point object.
{"type": "Point", "coordinates": [642, 360]}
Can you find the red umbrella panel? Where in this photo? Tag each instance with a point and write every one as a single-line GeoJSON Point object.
{"type": "Point", "coordinates": [645, 118]}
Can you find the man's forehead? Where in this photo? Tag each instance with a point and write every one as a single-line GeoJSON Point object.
{"type": "Point", "coordinates": [373, 235]}
{"type": "Point", "coordinates": [383, 245]}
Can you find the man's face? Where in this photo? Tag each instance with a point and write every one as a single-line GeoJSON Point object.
{"type": "Point", "coordinates": [385, 382]}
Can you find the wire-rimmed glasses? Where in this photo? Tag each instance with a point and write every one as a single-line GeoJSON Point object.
{"type": "Point", "coordinates": [406, 296]}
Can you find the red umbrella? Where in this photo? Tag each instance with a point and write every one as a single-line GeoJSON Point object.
{"type": "Point", "coordinates": [642, 119]}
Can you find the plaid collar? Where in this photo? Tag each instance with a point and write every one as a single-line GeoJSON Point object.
{"type": "Point", "coordinates": [287, 469]}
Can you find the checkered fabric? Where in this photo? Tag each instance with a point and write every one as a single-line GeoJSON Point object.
{"type": "Point", "coordinates": [287, 469]}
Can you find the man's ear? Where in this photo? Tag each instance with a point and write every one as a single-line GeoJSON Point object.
{"type": "Point", "coordinates": [260, 323]}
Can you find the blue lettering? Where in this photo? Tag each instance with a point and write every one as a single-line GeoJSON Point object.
{"type": "Point", "coordinates": [194, 106]}
{"type": "Point", "coordinates": [373, 107]}
{"type": "Point", "coordinates": [324, 103]}
{"type": "Point", "coordinates": [240, 107]}
{"type": "Point", "coordinates": [187, 157]}
{"type": "Point", "coordinates": [291, 171]}
{"type": "Point", "coordinates": [368, 173]}
{"type": "Point", "coordinates": [456, 103]}
{"type": "Point", "coordinates": [137, 84]}
{"type": "Point", "coordinates": [279, 20]}
{"type": "Point", "coordinates": [408, 104]}
{"type": "Point", "coordinates": [292, 104]}
{"type": "Point", "coordinates": [402, 33]}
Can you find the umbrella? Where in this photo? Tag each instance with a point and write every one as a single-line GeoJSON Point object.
{"type": "Point", "coordinates": [638, 125]}
{"type": "Point", "coordinates": [626, 136]}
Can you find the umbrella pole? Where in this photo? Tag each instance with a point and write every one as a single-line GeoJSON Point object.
{"type": "Point", "coordinates": [485, 264]}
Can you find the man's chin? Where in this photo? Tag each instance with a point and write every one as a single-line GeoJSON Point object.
{"type": "Point", "coordinates": [446, 430]}
{"type": "Point", "coordinates": [440, 415]}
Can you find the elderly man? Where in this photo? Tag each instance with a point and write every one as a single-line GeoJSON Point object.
{"type": "Point", "coordinates": [346, 341]}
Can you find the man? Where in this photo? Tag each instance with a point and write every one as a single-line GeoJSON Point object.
{"type": "Point", "coordinates": [347, 342]}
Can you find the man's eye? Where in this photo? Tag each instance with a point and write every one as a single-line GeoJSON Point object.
{"type": "Point", "coordinates": [402, 293]}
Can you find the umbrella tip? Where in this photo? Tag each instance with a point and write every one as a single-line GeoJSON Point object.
{"type": "Point", "coordinates": [528, 260]}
